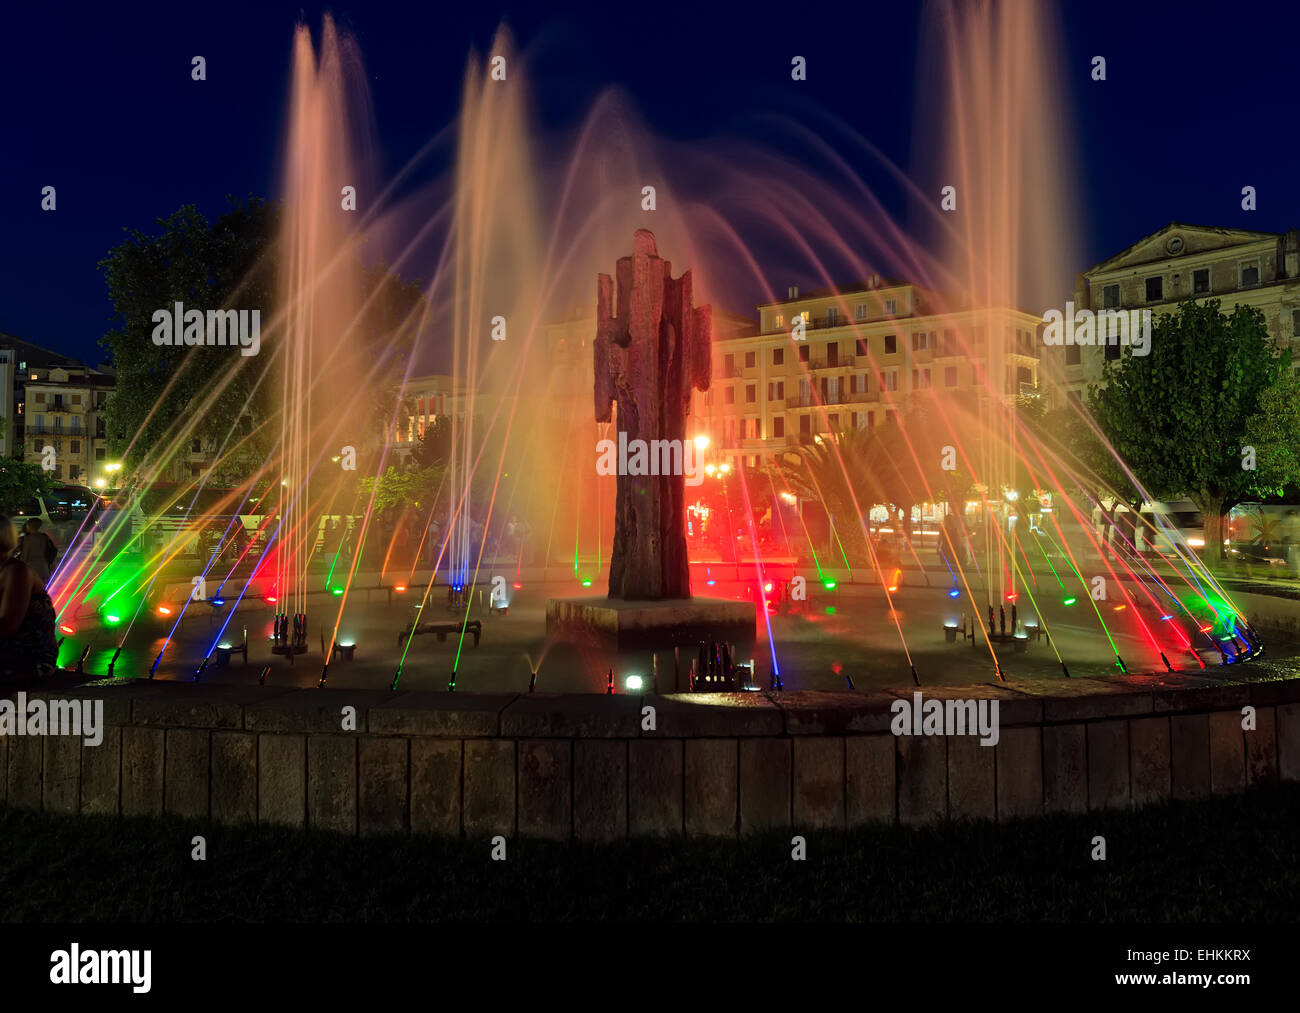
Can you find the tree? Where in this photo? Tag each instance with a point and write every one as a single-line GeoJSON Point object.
{"type": "Point", "coordinates": [229, 263]}
{"type": "Point", "coordinates": [21, 481]}
{"type": "Point", "coordinates": [1209, 414]}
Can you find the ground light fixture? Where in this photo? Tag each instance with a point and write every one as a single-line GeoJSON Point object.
{"type": "Point", "coordinates": [634, 683]}
{"type": "Point", "coordinates": [830, 584]}
{"type": "Point", "coordinates": [954, 593]}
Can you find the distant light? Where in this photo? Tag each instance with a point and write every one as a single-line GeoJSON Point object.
{"type": "Point", "coordinates": [1120, 608]}
{"type": "Point", "coordinates": [724, 468]}
{"type": "Point", "coordinates": [830, 585]}
{"type": "Point", "coordinates": [954, 593]}
{"type": "Point", "coordinates": [830, 610]}
{"type": "Point", "coordinates": [950, 624]}
{"type": "Point", "coordinates": [1206, 628]}
{"type": "Point", "coordinates": [223, 646]}
{"type": "Point", "coordinates": [218, 602]}
{"type": "Point", "coordinates": [1070, 601]}
{"type": "Point", "coordinates": [633, 682]}
{"type": "Point", "coordinates": [1012, 495]}
{"type": "Point", "coordinates": [113, 619]}
{"type": "Point", "coordinates": [1013, 596]}
{"type": "Point", "coordinates": [517, 586]}
{"type": "Point", "coordinates": [710, 582]}
{"type": "Point", "coordinates": [400, 588]}
{"type": "Point", "coordinates": [347, 643]}
{"type": "Point", "coordinates": [1196, 543]}
{"type": "Point", "coordinates": [272, 598]}
{"type": "Point", "coordinates": [336, 591]}
{"type": "Point", "coordinates": [100, 483]}
{"type": "Point", "coordinates": [1170, 616]}
{"type": "Point", "coordinates": [768, 586]}
{"type": "Point", "coordinates": [790, 498]}
{"type": "Point", "coordinates": [163, 610]}
{"type": "Point", "coordinates": [67, 629]}
{"type": "Point", "coordinates": [701, 442]}
{"type": "Point", "coordinates": [113, 467]}
{"type": "Point", "coordinates": [587, 582]}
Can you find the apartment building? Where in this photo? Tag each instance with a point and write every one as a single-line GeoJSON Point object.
{"type": "Point", "coordinates": [853, 357]}
{"type": "Point", "coordinates": [64, 410]}
{"type": "Point", "coordinates": [1236, 266]}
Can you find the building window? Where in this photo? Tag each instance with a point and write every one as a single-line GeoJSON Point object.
{"type": "Point", "coordinates": [805, 423]}
{"type": "Point", "coordinates": [778, 357]}
{"type": "Point", "coordinates": [891, 307]}
{"type": "Point", "coordinates": [1110, 297]}
{"type": "Point", "coordinates": [40, 397]}
{"type": "Point", "coordinates": [751, 393]}
{"type": "Point", "coordinates": [920, 341]}
{"type": "Point", "coordinates": [99, 453]}
{"type": "Point", "coordinates": [778, 427]}
{"type": "Point", "coordinates": [728, 365]}
{"type": "Point", "coordinates": [860, 311]}
{"type": "Point", "coordinates": [835, 421]}
{"type": "Point", "coordinates": [890, 415]}
{"type": "Point", "coordinates": [75, 448]}
{"type": "Point", "coordinates": [1073, 355]}
{"type": "Point", "coordinates": [889, 380]}
{"type": "Point", "coordinates": [778, 320]}
{"type": "Point", "coordinates": [861, 346]}
{"type": "Point", "coordinates": [803, 353]}
{"type": "Point", "coordinates": [832, 316]}
{"type": "Point", "coordinates": [920, 379]}
{"type": "Point", "coordinates": [728, 395]}
{"type": "Point", "coordinates": [891, 344]}
{"type": "Point", "coordinates": [832, 353]}
{"type": "Point", "coordinates": [1249, 275]}
{"type": "Point", "coordinates": [1112, 351]}
{"type": "Point", "coordinates": [750, 360]}
{"type": "Point", "coordinates": [950, 376]}
{"type": "Point", "coordinates": [1200, 281]}
{"type": "Point", "coordinates": [1295, 323]}
{"type": "Point", "coordinates": [1155, 289]}
{"type": "Point", "coordinates": [949, 341]}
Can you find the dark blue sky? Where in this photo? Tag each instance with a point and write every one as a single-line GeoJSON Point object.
{"type": "Point", "coordinates": [1199, 101]}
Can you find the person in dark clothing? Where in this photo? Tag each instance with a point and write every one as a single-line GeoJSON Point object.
{"type": "Point", "coordinates": [27, 644]}
{"type": "Point", "coordinates": [37, 550]}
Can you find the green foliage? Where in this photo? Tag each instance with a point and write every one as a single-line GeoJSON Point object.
{"type": "Point", "coordinates": [230, 263]}
{"type": "Point", "coordinates": [404, 487]}
{"type": "Point", "coordinates": [19, 481]}
{"type": "Point", "coordinates": [1181, 416]}
{"type": "Point", "coordinates": [227, 264]}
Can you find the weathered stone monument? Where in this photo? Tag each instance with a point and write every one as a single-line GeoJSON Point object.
{"type": "Point", "coordinates": [652, 348]}
{"type": "Point", "coordinates": [650, 351]}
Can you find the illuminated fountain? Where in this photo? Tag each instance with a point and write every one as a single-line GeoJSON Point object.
{"type": "Point", "coordinates": [507, 314]}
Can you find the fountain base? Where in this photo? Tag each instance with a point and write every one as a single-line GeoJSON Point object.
{"type": "Point", "coordinates": [616, 625]}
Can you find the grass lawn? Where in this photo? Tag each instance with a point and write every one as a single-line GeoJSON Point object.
{"type": "Point", "coordinates": [1228, 859]}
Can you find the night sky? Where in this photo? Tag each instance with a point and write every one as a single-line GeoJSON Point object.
{"type": "Point", "coordinates": [98, 102]}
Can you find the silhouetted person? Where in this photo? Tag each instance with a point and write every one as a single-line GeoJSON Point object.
{"type": "Point", "coordinates": [37, 550]}
{"type": "Point", "coordinates": [27, 644]}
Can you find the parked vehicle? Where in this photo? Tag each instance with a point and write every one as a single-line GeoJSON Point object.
{"type": "Point", "coordinates": [69, 514]}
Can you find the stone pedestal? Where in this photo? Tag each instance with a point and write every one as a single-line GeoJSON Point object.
{"type": "Point", "coordinates": [617, 626]}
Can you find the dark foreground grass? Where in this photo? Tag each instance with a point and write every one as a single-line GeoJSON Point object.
{"type": "Point", "coordinates": [1222, 860]}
